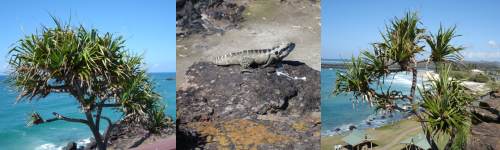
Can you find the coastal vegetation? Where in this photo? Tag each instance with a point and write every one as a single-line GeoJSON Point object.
{"type": "Point", "coordinates": [94, 68]}
{"type": "Point", "coordinates": [441, 107]}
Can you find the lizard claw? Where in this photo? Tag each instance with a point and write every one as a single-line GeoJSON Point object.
{"type": "Point", "coordinates": [246, 71]}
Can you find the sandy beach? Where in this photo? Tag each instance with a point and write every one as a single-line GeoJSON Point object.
{"type": "Point", "coordinates": [386, 137]}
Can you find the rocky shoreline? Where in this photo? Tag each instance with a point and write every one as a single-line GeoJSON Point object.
{"type": "Point", "coordinates": [223, 108]}
{"type": "Point", "coordinates": [486, 124]}
{"type": "Point", "coordinates": [127, 136]}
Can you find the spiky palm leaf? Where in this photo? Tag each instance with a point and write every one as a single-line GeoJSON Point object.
{"type": "Point", "coordinates": [445, 104]}
{"type": "Point", "coordinates": [441, 49]}
{"type": "Point", "coordinates": [376, 62]}
{"type": "Point", "coordinates": [92, 67]}
{"type": "Point", "coordinates": [355, 79]}
{"type": "Point", "coordinates": [400, 42]}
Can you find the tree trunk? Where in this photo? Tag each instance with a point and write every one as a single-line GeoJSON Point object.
{"type": "Point", "coordinates": [415, 108]}
{"type": "Point", "coordinates": [413, 84]}
{"type": "Point", "coordinates": [95, 131]}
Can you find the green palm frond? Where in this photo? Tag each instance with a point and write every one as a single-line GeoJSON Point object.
{"type": "Point", "coordinates": [441, 49]}
{"type": "Point", "coordinates": [92, 66]}
{"type": "Point", "coordinates": [445, 104]}
{"type": "Point", "coordinates": [376, 62]}
{"type": "Point", "coordinates": [400, 42]}
{"type": "Point", "coordinates": [355, 79]}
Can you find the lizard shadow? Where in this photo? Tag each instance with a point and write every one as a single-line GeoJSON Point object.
{"type": "Point", "coordinates": [277, 65]}
{"type": "Point", "coordinates": [292, 62]}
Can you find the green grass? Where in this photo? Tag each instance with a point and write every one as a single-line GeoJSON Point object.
{"type": "Point", "coordinates": [385, 135]}
{"type": "Point", "coordinates": [479, 78]}
{"type": "Point", "coordinates": [462, 75]}
{"type": "Point", "coordinates": [469, 76]}
{"type": "Point", "coordinates": [494, 85]}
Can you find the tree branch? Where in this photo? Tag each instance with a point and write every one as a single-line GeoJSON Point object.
{"type": "Point", "coordinates": [108, 130]}
{"type": "Point", "coordinates": [111, 105]}
{"type": "Point", "coordinates": [98, 114]}
{"type": "Point", "coordinates": [61, 117]}
{"type": "Point", "coordinates": [58, 89]}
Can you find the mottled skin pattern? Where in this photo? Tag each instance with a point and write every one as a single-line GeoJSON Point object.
{"type": "Point", "coordinates": [260, 57]}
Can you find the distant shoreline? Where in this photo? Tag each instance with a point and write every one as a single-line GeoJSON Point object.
{"type": "Point", "coordinates": [1, 75]}
{"type": "Point", "coordinates": [344, 66]}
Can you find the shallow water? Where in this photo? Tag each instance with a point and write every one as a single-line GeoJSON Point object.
{"type": "Point", "coordinates": [14, 134]}
{"type": "Point", "coordinates": [339, 112]}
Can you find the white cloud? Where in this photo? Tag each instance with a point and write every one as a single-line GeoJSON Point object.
{"type": "Point", "coordinates": [482, 55]}
{"type": "Point", "coordinates": [493, 43]}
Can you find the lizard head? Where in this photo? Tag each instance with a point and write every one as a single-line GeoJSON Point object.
{"type": "Point", "coordinates": [282, 50]}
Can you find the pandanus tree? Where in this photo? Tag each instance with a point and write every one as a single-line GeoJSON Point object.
{"type": "Point", "coordinates": [93, 68]}
{"type": "Point", "coordinates": [441, 49]}
{"type": "Point", "coordinates": [402, 40]}
{"type": "Point", "coordinates": [445, 103]}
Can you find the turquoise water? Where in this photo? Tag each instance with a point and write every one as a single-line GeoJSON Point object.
{"type": "Point", "coordinates": [339, 112]}
{"type": "Point", "coordinates": [14, 134]}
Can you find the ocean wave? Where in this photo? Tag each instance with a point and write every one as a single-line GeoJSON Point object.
{"type": "Point", "coordinates": [49, 146]}
{"type": "Point", "coordinates": [82, 142]}
{"type": "Point", "coordinates": [52, 146]}
{"type": "Point", "coordinates": [375, 120]}
{"type": "Point", "coordinates": [402, 80]}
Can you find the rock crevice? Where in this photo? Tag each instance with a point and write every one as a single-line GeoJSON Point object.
{"type": "Point", "coordinates": [219, 102]}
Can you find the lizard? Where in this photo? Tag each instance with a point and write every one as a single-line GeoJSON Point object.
{"type": "Point", "coordinates": [259, 57]}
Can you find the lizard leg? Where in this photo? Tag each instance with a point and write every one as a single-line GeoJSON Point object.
{"type": "Point", "coordinates": [245, 64]}
{"type": "Point", "coordinates": [269, 61]}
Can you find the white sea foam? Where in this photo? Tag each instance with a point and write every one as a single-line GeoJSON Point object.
{"type": "Point", "coordinates": [400, 79]}
{"type": "Point", "coordinates": [52, 146]}
{"type": "Point", "coordinates": [49, 146]}
{"type": "Point", "coordinates": [83, 142]}
{"type": "Point", "coordinates": [375, 120]}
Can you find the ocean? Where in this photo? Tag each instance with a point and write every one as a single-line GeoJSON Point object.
{"type": "Point", "coordinates": [339, 112]}
{"type": "Point", "coordinates": [14, 134]}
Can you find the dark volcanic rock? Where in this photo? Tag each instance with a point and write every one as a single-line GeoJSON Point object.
{"type": "Point", "coordinates": [222, 101]}
{"type": "Point", "coordinates": [485, 115]}
{"type": "Point", "coordinates": [485, 132]}
{"type": "Point", "coordinates": [70, 146]}
{"type": "Point", "coordinates": [91, 145]}
{"type": "Point", "coordinates": [484, 136]}
{"type": "Point", "coordinates": [128, 135]}
{"type": "Point", "coordinates": [488, 110]}
{"type": "Point", "coordinates": [207, 16]}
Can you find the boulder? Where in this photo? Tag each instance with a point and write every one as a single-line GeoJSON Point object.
{"type": "Point", "coordinates": [207, 17]}
{"type": "Point", "coordinates": [485, 115]}
{"type": "Point", "coordinates": [127, 135]}
{"type": "Point", "coordinates": [488, 110]}
{"type": "Point", "coordinates": [91, 145]}
{"type": "Point", "coordinates": [225, 108]}
{"type": "Point", "coordinates": [486, 124]}
{"type": "Point", "coordinates": [70, 146]}
{"type": "Point", "coordinates": [484, 136]}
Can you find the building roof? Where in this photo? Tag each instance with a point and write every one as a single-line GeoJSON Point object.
{"type": "Point", "coordinates": [418, 140]}
{"type": "Point", "coordinates": [357, 137]}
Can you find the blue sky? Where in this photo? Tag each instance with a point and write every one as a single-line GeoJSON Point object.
{"type": "Point", "coordinates": [349, 26]}
{"type": "Point", "coordinates": [148, 27]}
